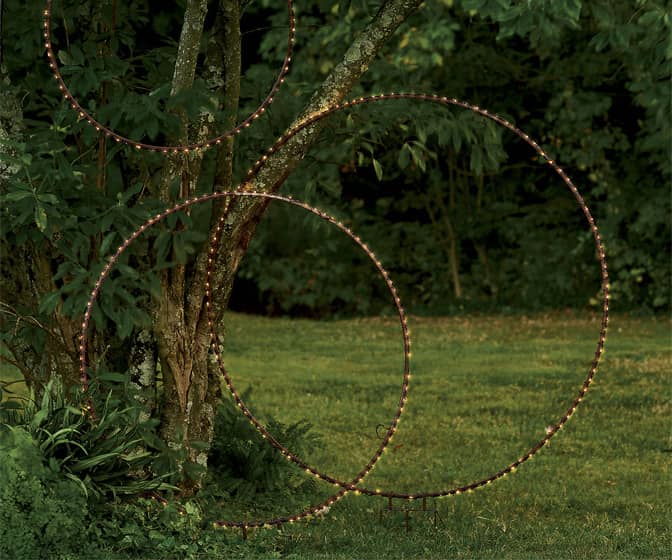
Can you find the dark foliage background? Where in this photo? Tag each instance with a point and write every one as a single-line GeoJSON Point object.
{"type": "Point", "coordinates": [459, 211]}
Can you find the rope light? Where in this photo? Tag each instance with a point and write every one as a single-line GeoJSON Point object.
{"type": "Point", "coordinates": [215, 238]}
{"type": "Point", "coordinates": [289, 455]}
{"type": "Point", "coordinates": [353, 486]}
{"type": "Point", "coordinates": [316, 509]}
{"type": "Point", "coordinates": [550, 431]}
{"type": "Point", "coordinates": [76, 106]}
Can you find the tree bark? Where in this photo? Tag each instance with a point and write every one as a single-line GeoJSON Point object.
{"type": "Point", "coordinates": [452, 240]}
{"type": "Point", "coordinates": [191, 387]}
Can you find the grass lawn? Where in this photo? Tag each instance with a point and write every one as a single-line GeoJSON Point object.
{"type": "Point", "coordinates": [483, 391]}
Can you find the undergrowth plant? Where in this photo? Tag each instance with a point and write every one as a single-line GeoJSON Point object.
{"type": "Point", "coordinates": [59, 468]}
{"type": "Point", "coordinates": [113, 453]}
{"type": "Point", "coordinates": [246, 467]}
{"type": "Point", "coordinates": [40, 510]}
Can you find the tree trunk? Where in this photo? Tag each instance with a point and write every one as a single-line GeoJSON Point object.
{"type": "Point", "coordinates": [190, 394]}
{"type": "Point", "coordinates": [191, 387]}
{"type": "Point", "coordinates": [142, 369]}
{"type": "Point", "coordinates": [448, 240]}
{"type": "Point", "coordinates": [451, 235]}
{"type": "Point", "coordinates": [25, 276]}
{"type": "Point", "coordinates": [481, 249]}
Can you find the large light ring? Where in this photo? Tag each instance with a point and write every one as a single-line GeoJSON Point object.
{"type": "Point", "coordinates": [346, 486]}
{"type": "Point", "coordinates": [245, 123]}
{"type": "Point", "coordinates": [554, 428]}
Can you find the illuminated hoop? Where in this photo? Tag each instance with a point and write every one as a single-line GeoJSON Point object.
{"type": "Point", "coordinates": [316, 509]}
{"type": "Point", "coordinates": [550, 432]}
{"type": "Point", "coordinates": [84, 114]}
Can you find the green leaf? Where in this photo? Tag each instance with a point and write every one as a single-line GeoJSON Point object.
{"type": "Point", "coordinates": [17, 195]}
{"type": "Point", "coordinates": [79, 482]}
{"type": "Point", "coordinates": [107, 242]}
{"type": "Point", "coordinates": [94, 461]}
{"type": "Point", "coordinates": [124, 326]}
{"type": "Point", "coordinates": [127, 270]}
{"type": "Point", "coordinates": [10, 405]}
{"type": "Point", "coordinates": [153, 285]}
{"type": "Point", "coordinates": [39, 417]}
{"type": "Point", "coordinates": [418, 159]}
{"type": "Point", "coordinates": [40, 217]}
{"type": "Point", "coordinates": [58, 438]}
{"type": "Point", "coordinates": [64, 57]}
{"type": "Point", "coordinates": [48, 198]}
{"type": "Point", "coordinates": [403, 158]}
{"type": "Point", "coordinates": [378, 169]}
{"type": "Point", "coordinates": [180, 251]}
{"type": "Point", "coordinates": [49, 302]}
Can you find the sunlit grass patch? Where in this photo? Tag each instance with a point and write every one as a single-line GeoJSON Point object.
{"type": "Point", "coordinates": [483, 391]}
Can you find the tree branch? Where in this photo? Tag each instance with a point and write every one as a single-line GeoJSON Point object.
{"type": "Point", "coordinates": [190, 43]}
{"type": "Point", "coordinates": [223, 69]}
{"type": "Point", "coordinates": [333, 90]}
{"type": "Point", "coordinates": [244, 214]}
{"type": "Point", "coordinates": [170, 325]}
{"type": "Point", "coordinates": [183, 78]}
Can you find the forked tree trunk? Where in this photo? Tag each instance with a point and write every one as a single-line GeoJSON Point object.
{"type": "Point", "coordinates": [191, 386]}
{"type": "Point", "coordinates": [180, 331]}
{"type": "Point", "coordinates": [191, 389]}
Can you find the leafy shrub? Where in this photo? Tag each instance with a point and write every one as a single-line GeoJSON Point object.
{"type": "Point", "coordinates": [39, 510]}
{"type": "Point", "coordinates": [246, 466]}
{"type": "Point", "coordinates": [59, 470]}
{"type": "Point", "coordinates": [142, 528]}
{"type": "Point", "coordinates": [111, 454]}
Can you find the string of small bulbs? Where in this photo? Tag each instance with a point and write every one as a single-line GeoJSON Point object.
{"type": "Point", "coordinates": [84, 114]}
{"type": "Point", "coordinates": [244, 191]}
{"type": "Point", "coordinates": [354, 487]}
